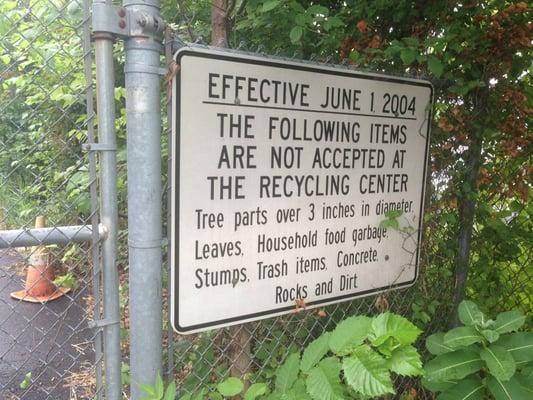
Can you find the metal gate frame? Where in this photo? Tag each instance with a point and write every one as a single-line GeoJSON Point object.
{"type": "Point", "coordinates": [141, 27]}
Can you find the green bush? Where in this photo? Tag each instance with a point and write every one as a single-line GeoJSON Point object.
{"type": "Point", "coordinates": [354, 361]}
{"type": "Point", "coordinates": [482, 357]}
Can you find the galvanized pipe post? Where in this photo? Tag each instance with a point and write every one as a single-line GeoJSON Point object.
{"type": "Point", "coordinates": [143, 112]}
{"type": "Point", "coordinates": [105, 100]}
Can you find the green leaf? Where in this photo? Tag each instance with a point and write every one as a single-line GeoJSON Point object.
{"type": "Point", "coordinates": [149, 390]}
{"type": "Point", "coordinates": [200, 395]}
{"type": "Point", "coordinates": [435, 66]}
{"type": "Point", "coordinates": [469, 313]}
{"type": "Point", "coordinates": [297, 392]}
{"type": "Point", "coordinates": [230, 387]}
{"type": "Point", "coordinates": [388, 346]}
{"type": "Point", "coordinates": [159, 387]}
{"type": "Point", "coordinates": [491, 335]}
{"type": "Point", "coordinates": [270, 5]}
{"type": "Point", "coordinates": [435, 344]}
{"type": "Point", "coordinates": [456, 365]}
{"type": "Point", "coordinates": [520, 345]}
{"type": "Point", "coordinates": [287, 373]}
{"type": "Point", "coordinates": [509, 321]}
{"type": "Point", "coordinates": [462, 336]}
{"type": "Point", "coordinates": [499, 361]}
{"type": "Point", "coordinates": [471, 388]}
{"type": "Point", "coordinates": [390, 325]}
{"type": "Point", "coordinates": [510, 390]}
{"type": "Point", "coordinates": [408, 55]}
{"type": "Point", "coordinates": [367, 373]}
{"type": "Point", "coordinates": [349, 333]}
{"type": "Point", "coordinates": [323, 381]}
{"type": "Point", "coordinates": [437, 386]}
{"type": "Point", "coordinates": [314, 352]}
{"type": "Point", "coordinates": [527, 370]}
{"type": "Point", "coordinates": [256, 390]}
{"type": "Point", "coordinates": [317, 9]}
{"type": "Point", "coordinates": [296, 34]}
{"type": "Point", "coordinates": [170, 393]}
{"type": "Point", "coordinates": [26, 381]}
{"type": "Point", "coordinates": [392, 214]}
{"type": "Point", "coordinates": [406, 361]}
{"type": "Point", "coordinates": [526, 382]}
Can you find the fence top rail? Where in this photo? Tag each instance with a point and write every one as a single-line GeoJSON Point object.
{"type": "Point", "coordinates": [45, 236]}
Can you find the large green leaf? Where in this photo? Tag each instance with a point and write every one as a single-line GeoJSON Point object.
{"type": "Point", "coordinates": [256, 390]}
{"type": "Point", "coordinates": [509, 321]}
{"type": "Point", "coordinates": [437, 386]}
{"type": "Point", "coordinates": [456, 365]}
{"type": "Point", "coordinates": [297, 392]}
{"type": "Point", "coordinates": [388, 325]}
{"type": "Point", "coordinates": [349, 333]}
{"type": "Point", "coordinates": [520, 345]}
{"type": "Point", "coordinates": [408, 55]}
{"type": "Point", "coordinates": [367, 373]}
{"type": "Point", "coordinates": [471, 388]}
{"type": "Point", "coordinates": [462, 336]}
{"type": "Point", "coordinates": [406, 361]}
{"type": "Point", "coordinates": [287, 373]}
{"type": "Point", "coordinates": [314, 352]}
{"type": "Point", "coordinates": [526, 382]}
{"type": "Point", "coordinates": [435, 344]}
{"type": "Point", "coordinates": [435, 66]}
{"type": "Point", "coordinates": [270, 5]}
{"type": "Point", "coordinates": [323, 381]}
{"type": "Point", "coordinates": [230, 387]}
{"type": "Point", "coordinates": [510, 390]}
{"type": "Point", "coordinates": [470, 314]}
{"type": "Point", "coordinates": [499, 361]}
{"type": "Point", "coordinates": [170, 393]}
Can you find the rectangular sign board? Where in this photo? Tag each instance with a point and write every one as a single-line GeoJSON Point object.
{"type": "Point", "coordinates": [283, 173]}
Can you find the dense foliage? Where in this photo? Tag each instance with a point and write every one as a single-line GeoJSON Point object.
{"type": "Point", "coordinates": [478, 56]}
{"type": "Point", "coordinates": [481, 356]}
{"type": "Point", "coordinates": [477, 53]}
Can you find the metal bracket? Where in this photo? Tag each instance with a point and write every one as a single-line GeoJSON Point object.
{"type": "Point", "coordinates": [148, 69]}
{"type": "Point", "coordinates": [101, 323]}
{"type": "Point", "coordinates": [123, 23]}
{"type": "Point", "coordinates": [98, 147]}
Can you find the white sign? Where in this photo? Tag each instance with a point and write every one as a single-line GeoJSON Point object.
{"type": "Point", "coordinates": [283, 172]}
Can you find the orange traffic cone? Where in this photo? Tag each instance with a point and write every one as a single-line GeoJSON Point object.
{"type": "Point", "coordinates": [39, 286]}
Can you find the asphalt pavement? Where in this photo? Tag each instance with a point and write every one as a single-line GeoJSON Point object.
{"type": "Point", "coordinates": [51, 341]}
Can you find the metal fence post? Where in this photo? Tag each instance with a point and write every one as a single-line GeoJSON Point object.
{"type": "Point", "coordinates": [105, 97]}
{"type": "Point", "coordinates": [143, 112]}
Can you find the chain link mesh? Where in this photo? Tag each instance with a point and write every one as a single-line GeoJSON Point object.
{"type": "Point", "coordinates": [47, 349]}
{"type": "Point", "coordinates": [253, 351]}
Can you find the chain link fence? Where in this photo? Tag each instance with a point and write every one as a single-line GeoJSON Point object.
{"type": "Point", "coordinates": [47, 349]}
{"type": "Point", "coordinates": [253, 351]}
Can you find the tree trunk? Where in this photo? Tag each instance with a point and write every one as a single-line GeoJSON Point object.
{"type": "Point", "coordinates": [219, 23]}
{"type": "Point", "coordinates": [239, 353]}
{"type": "Point", "coordinates": [467, 208]}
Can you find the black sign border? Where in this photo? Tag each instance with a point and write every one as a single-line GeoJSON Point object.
{"type": "Point", "coordinates": [176, 178]}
